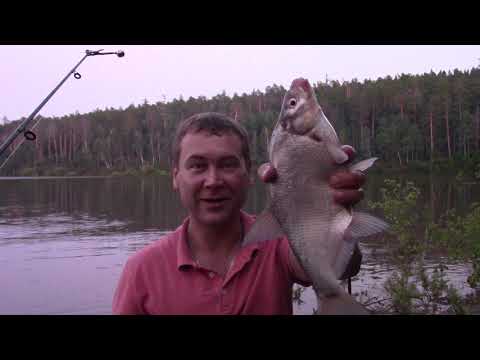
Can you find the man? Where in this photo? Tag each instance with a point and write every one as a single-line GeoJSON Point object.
{"type": "Point", "coordinates": [201, 267]}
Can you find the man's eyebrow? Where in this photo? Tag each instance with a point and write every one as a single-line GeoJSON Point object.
{"type": "Point", "coordinates": [229, 157]}
{"type": "Point", "coordinates": [195, 157]}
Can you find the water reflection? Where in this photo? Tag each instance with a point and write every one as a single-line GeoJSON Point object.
{"type": "Point", "coordinates": [64, 241]}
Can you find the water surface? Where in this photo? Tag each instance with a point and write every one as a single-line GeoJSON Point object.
{"type": "Point", "coordinates": [64, 241]}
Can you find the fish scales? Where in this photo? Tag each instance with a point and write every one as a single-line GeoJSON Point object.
{"type": "Point", "coordinates": [301, 212]}
{"type": "Point", "coordinates": [305, 151]}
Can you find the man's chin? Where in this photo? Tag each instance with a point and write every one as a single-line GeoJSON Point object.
{"type": "Point", "coordinates": [216, 219]}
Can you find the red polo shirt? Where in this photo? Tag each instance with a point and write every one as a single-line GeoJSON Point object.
{"type": "Point", "coordinates": [162, 278]}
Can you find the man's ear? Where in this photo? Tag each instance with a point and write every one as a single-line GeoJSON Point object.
{"type": "Point", "coordinates": [174, 178]}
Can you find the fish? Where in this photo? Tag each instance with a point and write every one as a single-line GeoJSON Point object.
{"type": "Point", "coordinates": [305, 150]}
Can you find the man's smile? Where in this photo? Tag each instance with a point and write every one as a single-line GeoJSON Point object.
{"type": "Point", "coordinates": [214, 200]}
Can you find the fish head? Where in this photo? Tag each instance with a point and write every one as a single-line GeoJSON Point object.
{"type": "Point", "coordinates": [299, 108]}
{"type": "Point", "coordinates": [302, 115]}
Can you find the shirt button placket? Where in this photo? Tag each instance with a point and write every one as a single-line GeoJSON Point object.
{"type": "Point", "coordinates": [224, 302]}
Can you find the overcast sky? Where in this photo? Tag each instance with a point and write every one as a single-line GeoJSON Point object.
{"type": "Point", "coordinates": [29, 73]}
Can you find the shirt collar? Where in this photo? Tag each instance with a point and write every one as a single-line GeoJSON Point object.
{"type": "Point", "coordinates": [184, 255]}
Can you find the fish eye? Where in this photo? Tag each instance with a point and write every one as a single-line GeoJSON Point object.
{"type": "Point", "coordinates": [292, 102]}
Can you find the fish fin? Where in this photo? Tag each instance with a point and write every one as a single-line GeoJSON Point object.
{"type": "Point", "coordinates": [336, 152]}
{"type": "Point", "coordinates": [364, 225]}
{"type": "Point", "coordinates": [266, 227]}
{"type": "Point", "coordinates": [341, 304]}
{"type": "Point", "coordinates": [343, 257]}
{"type": "Point", "coordinates": [363, 165]}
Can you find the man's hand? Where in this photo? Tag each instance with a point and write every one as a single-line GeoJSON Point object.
{"type": "Point", "coordinates": [347, 184]}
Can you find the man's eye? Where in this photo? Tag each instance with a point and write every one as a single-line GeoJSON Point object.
{"type": "Point", "coordinates": [197, 166]}
{"type": "Point", "coordinates": [230, 164]}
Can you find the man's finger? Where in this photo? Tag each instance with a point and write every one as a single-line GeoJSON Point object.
{"type": "Point", "coordinates": [348, 197]}
{"type": "Point", "coordinates": [350, 151]}
{"type": "Point", "coordinates": [347, 180]}
{"type": "Point", "coordinates": [267, 173]}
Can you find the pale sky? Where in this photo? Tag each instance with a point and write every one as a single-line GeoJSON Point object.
{"type": "Point", "coordinates": [28, 73]}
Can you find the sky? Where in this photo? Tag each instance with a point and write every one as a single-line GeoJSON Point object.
{"type": "Point", "coordinates": [28, 73]}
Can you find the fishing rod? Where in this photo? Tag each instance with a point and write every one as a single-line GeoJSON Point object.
{"type": "Point", "coordinates": [29, 134]}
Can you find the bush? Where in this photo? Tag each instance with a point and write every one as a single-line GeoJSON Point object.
{"type": "Point", "coordinates": [57, 171]}
{"type": "Point", "coordinates": [131, 172]}
{"type": "Point", "coordinates": [28, 172]}
{"type": "Point", "coordinates": [410, 288]}
{"type": "Point", "coordinates": [459, 236]}
{"type": "Point", "coordinates": [147, 170]}
{"type": "Point", "coordinates": [419, 166]}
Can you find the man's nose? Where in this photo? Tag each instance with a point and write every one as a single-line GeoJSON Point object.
{"type": "Point", "coordinates": [214, 177]}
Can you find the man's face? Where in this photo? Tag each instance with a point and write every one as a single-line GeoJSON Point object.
{"type": "Point", "coordinates": [211, 177]}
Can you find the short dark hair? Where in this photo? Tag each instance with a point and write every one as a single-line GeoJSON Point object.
{"type": "Point", "coordinates": [215, 124]}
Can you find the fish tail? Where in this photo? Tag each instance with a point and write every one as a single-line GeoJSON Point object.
{"type": "Point", "coordinates": [340, 304]}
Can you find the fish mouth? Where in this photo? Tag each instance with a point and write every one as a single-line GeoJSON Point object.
{"type": "Point", "coordinates": [314, 136]}
{"type": "Point", "coordinates": [288, 125]}
{"type": "Point", "coordinates": [301, 131]}
{"type": "Point", "coordinates": [311, 134]}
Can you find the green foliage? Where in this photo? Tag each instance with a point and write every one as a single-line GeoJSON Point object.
{"type": "Point", "coordinates": [399, 205]}
{"type": "Point", "coordinates": [28, 172]}
{"type": "Point", "coordinates": [419, 167]}
{"type": "Point", "coordinates": [412, 287]}
{"type": "Point", "coordinates": [477, 171]}
{"type": "Point", "coordinates": [149, 170]}
{"type": "Point", "coordinates": [131, 172]}
{"type": "Point", "coordinates": [56, 171]}
{"type": "Point", "coordinates": [457, 305]}
{"type": "Point", "coordinates": [459, 236]}
{"type": "Point", "coordinates": [460, 176]}
{"type": "Point", "coordinates": [387, 118]}
{"type": "Point", "coordinates": [402, 292]}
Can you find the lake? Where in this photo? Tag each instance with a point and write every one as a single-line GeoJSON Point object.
{"type": "Point", "coordinates": [64, 241]}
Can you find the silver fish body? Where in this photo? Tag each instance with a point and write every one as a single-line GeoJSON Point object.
{"type": "Point", "coordinates": [301, 202]}
{"type": "Point", "coordinates": [305, 151]}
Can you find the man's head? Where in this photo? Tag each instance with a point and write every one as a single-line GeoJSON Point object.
{"type": "Point", "coordinates": [211, 163]}
{"type": "Point", "coordinates": [214, 124]}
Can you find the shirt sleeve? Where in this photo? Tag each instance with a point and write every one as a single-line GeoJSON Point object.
{"type": "Point", "coordinates": [127, 297]}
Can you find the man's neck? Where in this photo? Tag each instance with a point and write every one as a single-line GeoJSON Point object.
{"type": "Point", "coordinates": [221, 239]}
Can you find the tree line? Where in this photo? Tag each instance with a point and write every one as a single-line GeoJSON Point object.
{"type": "Point", "coordinates": [402, 119]}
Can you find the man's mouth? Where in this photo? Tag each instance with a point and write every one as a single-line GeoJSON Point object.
{"type": "Point", "coordinates": [218, 200]}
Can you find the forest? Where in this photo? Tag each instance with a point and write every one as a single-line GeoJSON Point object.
{"type": "Point", "coordinates": [425, 121]}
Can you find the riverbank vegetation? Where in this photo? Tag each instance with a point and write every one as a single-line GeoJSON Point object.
{"type": "Point", "coordinates": [428, 122]}
{"type": "Point", "coordinates": [416, 286]}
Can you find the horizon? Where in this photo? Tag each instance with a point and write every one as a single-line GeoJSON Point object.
{"type": "Point", "coordinates": [165, 73]}
{"type": "Point", "coordinates": [181, 97]}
